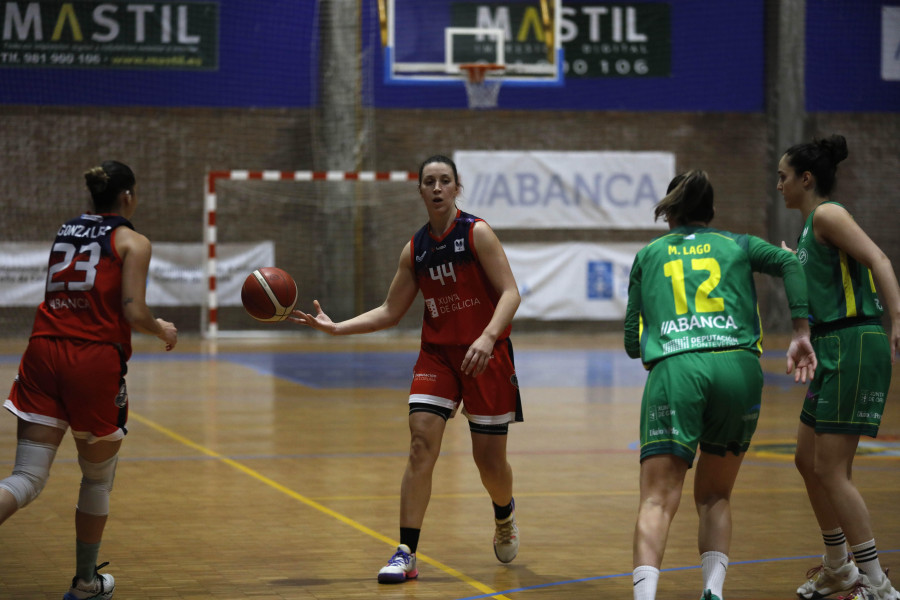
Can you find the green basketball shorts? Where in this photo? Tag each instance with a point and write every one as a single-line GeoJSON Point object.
{"type": "Point", "coordinates": [710, 399]}
{"type": "Point", "coordinates": [852, 380]}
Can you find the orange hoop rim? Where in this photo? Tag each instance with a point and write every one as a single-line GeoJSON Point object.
{"type": "Point", "coordinates": [476, 72]}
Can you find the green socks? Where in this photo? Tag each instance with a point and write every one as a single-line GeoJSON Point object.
{"type": "Point", "coordinates": [86, 560]}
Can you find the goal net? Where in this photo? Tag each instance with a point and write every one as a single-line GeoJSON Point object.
{"type": "Point", "coordinates": [339, 235]}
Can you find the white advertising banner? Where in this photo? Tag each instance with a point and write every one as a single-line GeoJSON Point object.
{"type": "Point", "coordinates": [575, 280]}
{"type": "Point", "coordinates": [176, 278]}
{"type": "Point", "coordinates": [23, 272]}
{"type": "Point", "coordinates": [564, 190]}
{"type": "Point", "coordinates": [890, 43]}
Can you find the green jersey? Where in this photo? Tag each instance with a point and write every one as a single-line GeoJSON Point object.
{"type": "Point", "coordinates": [692, 290]}
{"type": "Point", "coordinates": [843, 288]}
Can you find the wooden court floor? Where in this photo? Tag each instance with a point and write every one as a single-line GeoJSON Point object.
{"type": "Point", "coordinates": [270, 469]}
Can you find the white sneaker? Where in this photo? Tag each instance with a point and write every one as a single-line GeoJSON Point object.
{"type": "Point", "coordinates": [101, 588]}
{"type": "Point", "coordinates": [866, 591]}
{"type": "Point", "coordinates": [401, 567]}
{"type": "Point", "coordinates": [824, 581]}
{"type": "Point", "coordinates": [506, 538]}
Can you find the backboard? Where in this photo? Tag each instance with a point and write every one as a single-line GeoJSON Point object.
{"type": "Point", "coordinates": [426, 41]}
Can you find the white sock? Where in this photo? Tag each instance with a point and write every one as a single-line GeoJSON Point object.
{"type": "Point", "coordinates": [866, 557]}
{"type": "Point", "coordinates": [714, 565]}
{"type": "Point", "coordinates": [835, 548]}
{"type": "Point", "coordinates": [645, 580]}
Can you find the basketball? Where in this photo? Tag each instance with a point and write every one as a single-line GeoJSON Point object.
{"type": "Point", "coordinates": [269, 294]}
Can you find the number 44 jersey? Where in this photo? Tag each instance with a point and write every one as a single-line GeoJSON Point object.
{"type": "Point", "coordinates": [83, 294]}
{"type": "Point", "coordinates": [693, 290]}
{"type": "Point", "coordinates": [459, 298]}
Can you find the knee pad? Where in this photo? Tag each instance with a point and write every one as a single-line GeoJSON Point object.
{"type": "Point", "coordinates": [96, 484]}
{"type": "Point", "coordinates": [31, 471]}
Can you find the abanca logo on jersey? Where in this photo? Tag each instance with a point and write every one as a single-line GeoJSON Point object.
{"type": "Point", "coordinates": [694, 322]}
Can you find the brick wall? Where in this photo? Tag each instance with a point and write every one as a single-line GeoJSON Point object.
{"type": "Point", "coordinates": [46, 149]}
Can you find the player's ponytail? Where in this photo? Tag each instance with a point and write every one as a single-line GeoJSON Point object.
{"type": "Point", "coordinates": [106, 182]}
{"type": "Point", "coordinates": [689, 198]}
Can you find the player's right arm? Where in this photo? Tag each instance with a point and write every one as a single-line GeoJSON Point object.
{"type": "Point", "coordinates": [400, 296]}
{"type": "Point", "coordinates": [134, 250]}
{"type": "Point", "coordinates": [782, 262]}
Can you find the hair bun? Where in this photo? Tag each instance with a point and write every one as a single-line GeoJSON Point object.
{"type": "Point", "coordinates": [836, 147]}
{"type": "Point", "coordinates": [96, 179]}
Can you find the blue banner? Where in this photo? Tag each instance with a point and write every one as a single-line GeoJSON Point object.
{"type": "Point", "coordinates": [852, 56]}
{"type": "Point", "coordinates": [713, 59]}
{"type": "Point", "coordinates": [231, 53]}
{"type": "Point", "coordinates": [703, 55]}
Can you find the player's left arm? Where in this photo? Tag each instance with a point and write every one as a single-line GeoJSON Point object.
{"type": "Point", "coordinates": [833, 225]}
{"type": "Point", "coordinates": [632, 324]}
{"type": "Point", "coordinates": [496, 266]}
{"type": "Point", "coordinates": [135, 251]}
{"type": "Point", "coordinates": [781, 262]}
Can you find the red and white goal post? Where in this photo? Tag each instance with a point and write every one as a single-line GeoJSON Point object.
{"type": "Point", "coordinates": [393, 202]}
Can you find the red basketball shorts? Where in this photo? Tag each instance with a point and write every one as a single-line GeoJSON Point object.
{"type": "Point", "coordinates": [73, 383]}
{"type": "Point", "coordinates": [491, 398]}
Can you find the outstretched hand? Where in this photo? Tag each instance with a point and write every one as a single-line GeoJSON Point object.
{"type": "Point", "coordinates": [320, 321]}
{"type": "Point", "coordinates": [801, 359]}
{"type": "Point", "coordinates": [785, 247]}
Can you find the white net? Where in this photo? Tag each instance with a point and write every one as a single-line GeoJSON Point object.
{"type": "Point", "coordinates": [482, 84]}
{"type": "Point", "coordinates": [340, 240]}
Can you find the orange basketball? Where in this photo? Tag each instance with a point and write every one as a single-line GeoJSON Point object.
{"type": "Point", "coordinates": [269, 294]}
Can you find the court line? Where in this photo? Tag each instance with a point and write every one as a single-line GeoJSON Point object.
{"type": "Point", "coordinates": [486, 591]}
{"type": "Point", "coordinates": [668, 570]}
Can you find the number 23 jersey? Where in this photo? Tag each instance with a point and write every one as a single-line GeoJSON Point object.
{"type": "Point", "coordinates": [83, 294]}
{"type": "Point", "coordinates": [459, 297]}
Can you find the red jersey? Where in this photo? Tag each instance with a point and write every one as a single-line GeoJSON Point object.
{"type": "Point", "coordinates": [459, 297]}
{"type": "Point", "coordinates": [83, 297]}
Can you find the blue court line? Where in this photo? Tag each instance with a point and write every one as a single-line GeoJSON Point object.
{"type": "Point", "coordinates": [669, 570]}
{"type": "Point", "coordinates": [393, 370]}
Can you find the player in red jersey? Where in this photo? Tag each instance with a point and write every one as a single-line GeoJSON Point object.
{"type": "Point", "coordinates": [72, 373]}
{"type": "Point", "coordinates": [471, 296]}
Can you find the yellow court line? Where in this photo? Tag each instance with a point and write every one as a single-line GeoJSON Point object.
{"type": "Point", "coordinates": [311, 503]}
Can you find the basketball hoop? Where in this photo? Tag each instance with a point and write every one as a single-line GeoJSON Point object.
{"type": "Point", "coordinates": [482, 84]}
